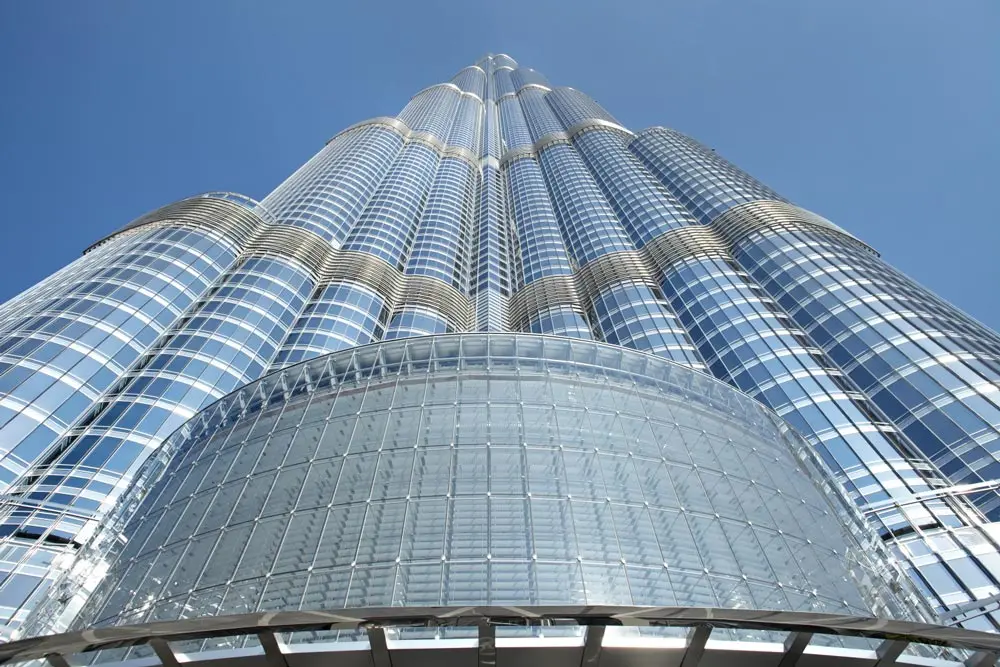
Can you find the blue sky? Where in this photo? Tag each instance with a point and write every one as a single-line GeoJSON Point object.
{"type": "Point", "coordinates": [880, 115]}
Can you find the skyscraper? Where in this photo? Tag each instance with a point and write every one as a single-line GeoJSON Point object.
{"type": "Point", "coordinates": [494, 203]}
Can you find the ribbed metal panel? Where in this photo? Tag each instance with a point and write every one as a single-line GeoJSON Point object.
{"type": "Point", "coordinates": [425, 138]}
{"type": "Point", "coordinates": [740, 222]}
{"type": "Point", "coordinates": [230, 220]}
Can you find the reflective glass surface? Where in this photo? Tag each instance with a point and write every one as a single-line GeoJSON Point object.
{"type": "Point", "coordinates": [432, 110]}
{"type": "Point", "coordinates": [573, 107]}
{"type": "Point", "coordinates": [747, 341]}
{"type": "Point", "coordinates": [441, 246]}
{"type": "Point", "coordinates": [542, 251]}
{"type": "Point", "coordinates": [541, 119]}
{"type": "Point", "coordinates": [327, 194]}
{"type": "Point", "coordinates": [67, 345]}
{"type": "Point", "coordinates": [342, 314]}
{"type": "Point", "coordinates": [588, 222]}
{"type": "Point", "coordinates": [416, 321]}
{"type": "Point", "coordinates": [523, 76]}
{"type": "Point", "coordinates": [635, 315]}
{"type": "Point", "coordinates": [706, 183]}
{"type": "Point", "coordinates": [472, 80]}
{"type": "Point", "coordinates": [65, 349]}
{"type": "Point", "coordinates": [490, 286]}
{"type": "Point", "coordinates": [387, 226]}
{"type": "Point", "coordinates": [642, 204]}
{"type": "Point", "coordinates": [514, 127]}
{"type": "Point", "coordinates": [229, 341]}
{"type": "Point", "coordinates": [465, 130]}
{"type": "Point", "coordinates": [560, 321]}
{"type": "Point", "coordinates": [488, 470]}
{"type": "Point", "coordinates": [934, 371]}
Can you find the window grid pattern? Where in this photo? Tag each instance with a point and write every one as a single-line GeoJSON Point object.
{"type": "Point", "coordinates": [880, 329]}
{"type": "Point", "coordinates": [493, 145]}
{"type": "Point", "coordinates": [490, 284]}
{"type": "Point", "coordinates": [645, 208]}
{"type": "Point", "coordinates": [572, 107]}
{"type": "Point", "coordinates": [636, 315]}
{"type": "Point", "coordinates": [503, 82]}
{"type": "Point", "coordinates": [561, 321]}
{"type": "Point", "coordinates": [58, 358]}
{"type": "Point", "coordinates": [952, 568]}
{"type": "Point", "coordinates": [537, 112]}
{"type": "Point", "coordinates": [326, 196]}
{"type": "Point", "coordinates": [490, 257]}
{"type": "Point", "coordinates": [227, 342]}
{"type": "Point", "coordinates": [387, 226]}
{"type": "Point", "coordinates": [62, 353]}
{"type": "Point", "coordinates": [503, 60]}
{"type": "Point", "coordinates": [432, 111]}
{"type": "Point", "coordinates": [542, 250]}
{"type": "Point", "coordinates": [932, 370]}
{"type": "Point", "coordinates": [341, 315]}
{"type": "Point", "coordinates": [834, 291]}
{"type": "Point", "coordinates": [748, 341]}
{"type": "Point", "coordinates": [466, 130]}
{"type": "Point", "coordinates": [441, 246]}
{"type": "Point", "coordinates": [523, 76]}
{"type": "Point", "coordinates": [472, 80]}
{"type": "Point", "coordinates": [581, 485]}
{"type": "Point", "coordinates": [707, 184]}
{"type": "Point", "coordinates": [589, 225]}
{"type": "Point", "coordinates": [416, 321]}
{"type": "Point", "coordinates": [29, 300]}
{"type": "Point", "coordinates": [27, 567]}
{"type": "Point", "coordinates": [860, 334]}
{"type": "Point", "coordinates": [514, 127]}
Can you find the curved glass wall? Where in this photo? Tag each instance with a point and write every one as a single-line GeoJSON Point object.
{"type": "Point", "coordinates": [328, 193]}
{"type": "Point", "coordinates": [588, 222]}
{"type": "Point", "coordinates": [441, 247]}
{"type": "Point", "coordinates": [574, 107]}
{"type": "Point", "coordinates": [488, 469]}
{"type": "Point", "coordinates": [903, 370]}
{"type": "Point", "coordinates": [640, 202]}
{"type": "Point", "coordinates": [542, 250]}
{"type": "Point", "coordinates": [472, 80]}
{"type": "Point", "coordinates": [748, 342]}
{"type": "Point", "coordinates": [86, 263]}
{"type": "Point", "coordinates": [385, 228]}
{"type": "Point", "coordinates": [525, 76]}
{"type": "Point", "coordinates": [934, 371]}
{"type": "Point", "coordinates": [229, 340]}
{"type": "Point", "coordinates": [560, 321]}
{"type": "Point", "coordinates": [514, 128]}
{"type": "Point", "coordinates": [416, 321]}
{"type": "Point", "coordinates": [432, 110]}
{"type": "Point", "coordinates": [72, 345]}
{"type": "Point", "coordinates": [541, 120]}
{"type": "Point", "coordinates": [465, 131]}
{"type": "Point", "coordinates": [60, 355]}
{"type": "Point", "coordinates": [706, 183]}
{"type": "Point", "coordinates": [342, 314]}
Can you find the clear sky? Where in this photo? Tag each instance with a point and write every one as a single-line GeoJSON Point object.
{"type": "Point", "coordinates": [880, 115]}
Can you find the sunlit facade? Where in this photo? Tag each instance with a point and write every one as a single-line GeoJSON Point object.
{"type": "Point", "coordinates": [490, 469]}
{"type": "Point", "coordinates": [495, 203]}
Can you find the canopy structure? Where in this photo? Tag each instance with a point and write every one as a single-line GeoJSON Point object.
{"type": "Point", "coordinates": [556, 636]}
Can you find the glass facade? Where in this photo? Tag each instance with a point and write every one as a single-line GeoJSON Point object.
{"type": "Point", "coordinates": [498, 203]}
{"type": "Point", "coordinates": [492, 469]}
